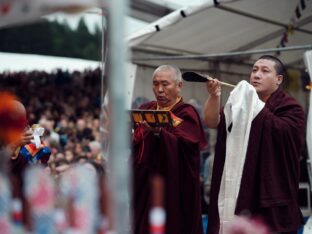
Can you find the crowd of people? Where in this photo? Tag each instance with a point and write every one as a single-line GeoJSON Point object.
{"type": "Point", "coordinates": [62, 110]}
{"type": "Point", "coordinates": [66, 105]}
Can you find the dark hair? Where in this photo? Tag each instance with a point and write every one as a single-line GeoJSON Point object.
{"type": "Point", "coordinates": [279, 66]}
{"type": "Point", "coordinates": [78, 158]}
{"type": "Point", "coordinates": [59, 162]}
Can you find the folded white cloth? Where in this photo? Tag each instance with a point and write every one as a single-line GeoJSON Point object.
{"type": "Point", "coordinates": [241, 108]}
{"type": "Point", "coordinates": [37, 133]}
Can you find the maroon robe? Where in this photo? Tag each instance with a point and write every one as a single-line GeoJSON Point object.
{"type": "Point", "coordinates": [269, 185]}
{"type": "Point", "coordinates": [17, 169]}
{"type": "Point", "coordinates": [174, 155]}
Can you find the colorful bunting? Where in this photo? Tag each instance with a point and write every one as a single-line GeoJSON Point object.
{"type": "Point", "coordinates": [292, 23]}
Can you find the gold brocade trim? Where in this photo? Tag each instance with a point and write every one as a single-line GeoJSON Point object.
{"type": "Point", "coordinates": [168, 108]}
{"type": "Point", "coordinates": [176, 121]}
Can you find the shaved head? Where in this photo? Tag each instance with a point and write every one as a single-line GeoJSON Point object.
{"type": "Point", "coordinates": [19, 108]}
{"type": "Point", "coordinates": [13, 119]}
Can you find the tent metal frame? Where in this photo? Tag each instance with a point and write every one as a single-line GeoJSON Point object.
{"type": "Point", "coordinates": [225, 55]}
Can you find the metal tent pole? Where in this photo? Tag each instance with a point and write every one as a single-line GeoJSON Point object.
{"type": "Point", "coordinates": [103, 56]}
{"type": "Point", "coordinates": [119, 148]}
{"type": "Point", "coordinates": [262, 19]}
{"type": "Point", "coordinates": [103, 116]}
{"type": "Point", "coordinates": [225, 55]}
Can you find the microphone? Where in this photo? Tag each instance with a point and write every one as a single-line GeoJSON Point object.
{"type": "Point", "coordinates": [195, 77]}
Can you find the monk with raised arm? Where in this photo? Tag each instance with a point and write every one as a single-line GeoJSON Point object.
{"type": "Point", "coordinates": [267, 188]}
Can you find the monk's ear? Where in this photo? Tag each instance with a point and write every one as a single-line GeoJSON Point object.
{"type": "Point", "coordinates": [180, 84]}
{"type": "Point", "coordinates": [279, 79]}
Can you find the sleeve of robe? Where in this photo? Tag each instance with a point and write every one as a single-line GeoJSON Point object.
{"type": "Point", "coordinates": [282, 142]}
{"type": "Point", "coordinates": [190, 140]}
{"type": "Point", "coordinates": [17, 168]}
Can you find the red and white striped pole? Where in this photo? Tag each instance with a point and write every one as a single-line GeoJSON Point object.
{"type": "Point", "coordinates": [157, 214]}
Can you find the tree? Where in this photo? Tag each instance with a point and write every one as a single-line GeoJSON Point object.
{"type": "Point", "coordinates": [52, 38]}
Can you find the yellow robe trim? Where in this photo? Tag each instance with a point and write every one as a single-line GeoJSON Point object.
{"type": "Point", "coordinates": [168, 108]}
{"type": "Point", "coordinates": [175, 120]}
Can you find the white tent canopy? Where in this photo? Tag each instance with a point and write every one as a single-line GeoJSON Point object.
{"type": "Point", "coordinates": [222, 27]}
{"type": "Point", "coordinates": [229, 26]}
{"type": "Point", "coordinates": [28, 62]}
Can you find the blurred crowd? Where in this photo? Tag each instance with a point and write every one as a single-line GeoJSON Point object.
{"type": "Point", "coordinates": [67, 106]}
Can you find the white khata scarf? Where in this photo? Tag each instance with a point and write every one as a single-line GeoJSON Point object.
{"type": "Point", "coordinates": [241, 108]}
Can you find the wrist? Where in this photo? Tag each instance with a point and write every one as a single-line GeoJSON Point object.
{"type": "Point", "coordinates": [215, 95]}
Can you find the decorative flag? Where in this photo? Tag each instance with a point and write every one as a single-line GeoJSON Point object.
{"type": "Point", "coordinates": [40, 193]}
{"type": "Point", "coordinates": [79, 187]}
{"type": "Point", "coordinates": [292, 22]}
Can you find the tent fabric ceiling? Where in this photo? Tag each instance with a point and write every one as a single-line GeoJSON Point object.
{"type": "Point", "coordinates": [147, 11]}
{"type": "Point", "coordinates": [235, 26]}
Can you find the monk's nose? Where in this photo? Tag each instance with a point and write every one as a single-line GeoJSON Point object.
{"type": "Point", "coordinates": [257, 75]}
{"type": "Point", "coordinates": [160, 89]}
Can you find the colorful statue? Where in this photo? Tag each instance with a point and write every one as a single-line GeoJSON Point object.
{"type": "Point", "coordinates": [36, 151]}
